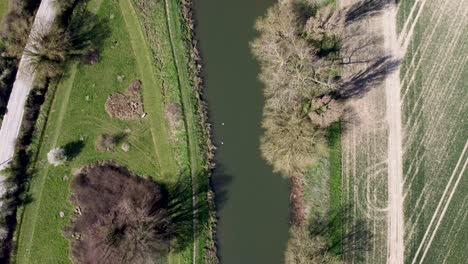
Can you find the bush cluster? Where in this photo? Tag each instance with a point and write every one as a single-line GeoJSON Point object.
{"type": "Point", "coordinates": [298, 52]}
{"type": "Point", "coordinates": [129, 223]}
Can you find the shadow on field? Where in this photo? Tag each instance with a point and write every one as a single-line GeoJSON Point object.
{"type": "Point", "coordinates": [363, 52]}
{"type": "Point", "coordinates": [364, 80]}
{"type": "Point", "coordinates": [364, 9]}
{"type": "Point", "coordinates": [182, 208]}
{"type": "Point", "coordinates": [344, 240]}
{"type": "Point", "coordinates": [73, 149]}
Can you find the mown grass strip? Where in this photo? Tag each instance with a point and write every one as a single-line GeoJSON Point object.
{"type": "Point", "coordinates": [31, 215]}
{"type": "Point", "coordinates": [151, 93]}
{"type": "Point", "coordinates": [336, 202]}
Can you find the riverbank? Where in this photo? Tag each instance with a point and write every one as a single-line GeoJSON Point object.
{"type": "Point", "coordinates": [127, 56]}
{"type": "Point", "coordinates": [182, 58]}
{"type": "Point", "coordinates": [299, 52]}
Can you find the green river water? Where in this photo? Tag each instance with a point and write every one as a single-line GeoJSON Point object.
{"type": "Point", "coordinates": [253, 202]}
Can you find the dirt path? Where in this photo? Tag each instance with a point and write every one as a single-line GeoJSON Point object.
{"type": "Point", "coordinates": [396, 225]}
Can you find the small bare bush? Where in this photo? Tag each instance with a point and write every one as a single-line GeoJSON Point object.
{"type": "Point", "coordinates": [105, 142]}
{"type": "Point", "coordinates": [56, 156]}
{"type": "Point", "coordinates": [173, 115]}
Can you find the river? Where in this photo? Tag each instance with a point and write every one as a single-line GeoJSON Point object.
{"type": "Point", "coordinates": [253, 202]}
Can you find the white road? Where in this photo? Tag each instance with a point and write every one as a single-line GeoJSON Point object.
{"type": "Point", "coordinates": [22, 86]}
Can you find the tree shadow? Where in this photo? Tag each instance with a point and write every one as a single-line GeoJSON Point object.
{"type": "Point", "coordinates": [120, 137]}
{"type": "Point", "coordinates": [220, 182]}
{"type": "Point", "coordinates": [188, 206]}
{"type": "Point", "coordinates": [88, 32]}
{"type": "Point", "coordinates": [364, 9]}
{"type": "Point", "coordinates": [73, 149]}
{"type": "Point", "coordinates": [374, 74]}
{"type": "Point", "coordinates": [353, 240]}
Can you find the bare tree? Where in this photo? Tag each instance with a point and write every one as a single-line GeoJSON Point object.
{"type": "Point", "coordinates": [291, 143]}
{"type": "Point", "coordinates": [295, 49]}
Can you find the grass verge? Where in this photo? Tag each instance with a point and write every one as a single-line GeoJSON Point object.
{"type": "Point", "coordinates": [336, 200]}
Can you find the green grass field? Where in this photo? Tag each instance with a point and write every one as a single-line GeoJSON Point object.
{"type": "Point", "coordinates": [434, 75]}
{"type": "Point", "coordinates": [77, 115]}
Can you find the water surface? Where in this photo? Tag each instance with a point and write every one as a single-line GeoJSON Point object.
{"type": "Point", "coordinates": [253, 201]}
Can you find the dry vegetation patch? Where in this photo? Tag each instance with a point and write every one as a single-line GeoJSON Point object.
{"type": "Point", "coordinates": [173, 115]}
{"type": "Point", "coordinates": [120, 218]}
{"type": "Point", "coordinates": [127, 106]}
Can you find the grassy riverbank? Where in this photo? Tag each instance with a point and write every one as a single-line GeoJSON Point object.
{"type": "Point", "coordinates": [77, 117]}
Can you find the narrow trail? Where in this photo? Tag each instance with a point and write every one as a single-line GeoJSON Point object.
{"type": "Point", "coordinates": [396, 225]}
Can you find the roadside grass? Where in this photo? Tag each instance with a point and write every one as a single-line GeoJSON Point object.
{"type": "Point", "coordinates": [77, 115]}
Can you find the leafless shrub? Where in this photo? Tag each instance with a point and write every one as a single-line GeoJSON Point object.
{"type": "Point", "coordinates": [56, 156]}
{"type": "Point", "coordinates": [122, 218]}
{"type": "Point", "coordinates": [173, 115]}
{"type": "Point", "coordinates": [135, 87]}
{"type": "Point", "coordinates": [105, 142]}
{"type": "Point", "coordinates": [303, 248]}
